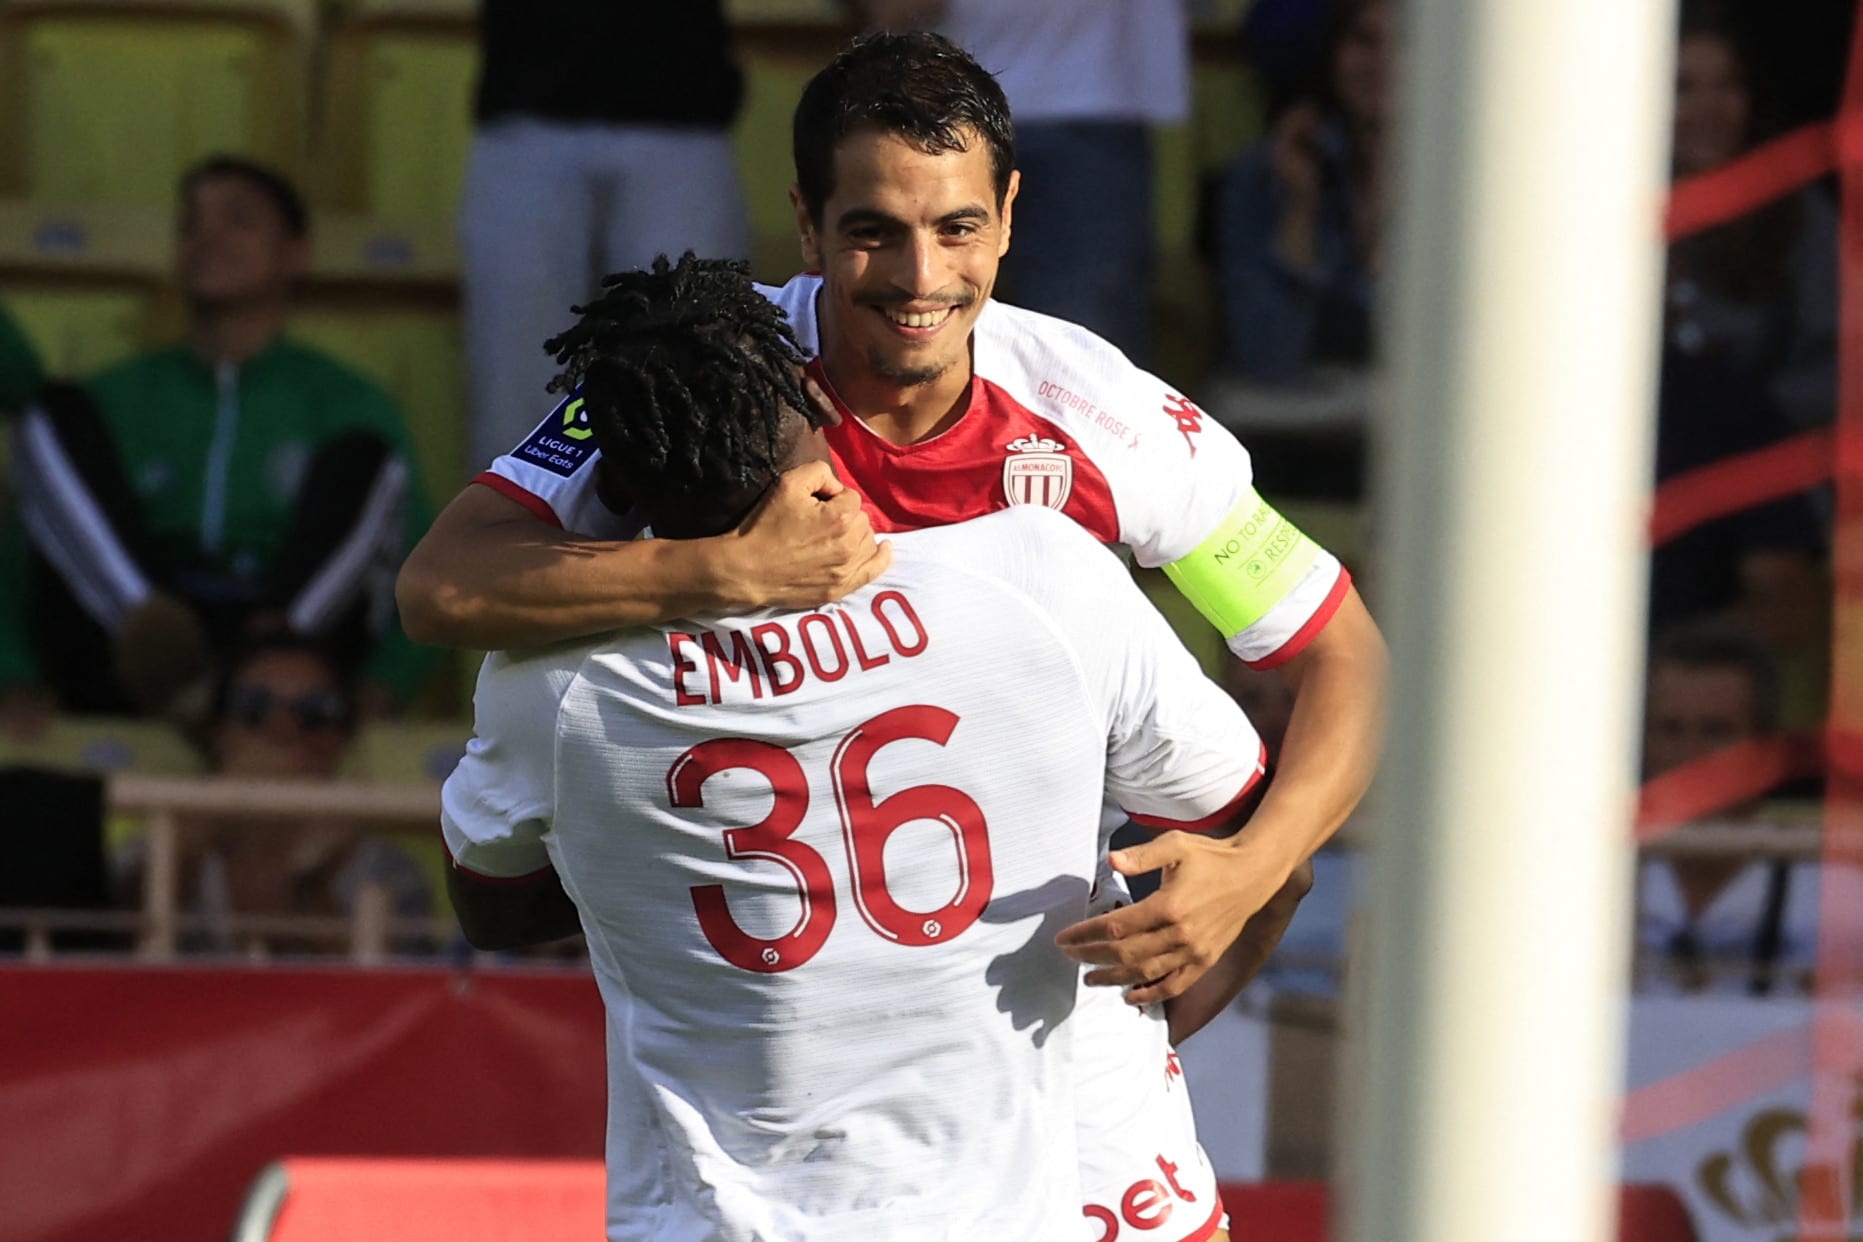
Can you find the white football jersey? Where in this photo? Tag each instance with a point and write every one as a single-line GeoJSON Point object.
{"type": "Point", "coordinates": [821, 859]}
{"type": "Point", "coordinates": [1057, 418]}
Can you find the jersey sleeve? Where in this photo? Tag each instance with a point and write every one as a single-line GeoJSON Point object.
{"type": "Point", "coordinates": [1183, 490]}
{"type": "Point", "coordinates": [552, 473]}
{"type": "Point", "coordinates": [1179, 752]}
{"type": "Point", "coordinates": [501, 797]}
{"type": "Point", "coordinates": [1189, 506]}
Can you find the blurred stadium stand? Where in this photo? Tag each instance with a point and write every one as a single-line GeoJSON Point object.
{"type": "Point", "coordinates": [368, 104]}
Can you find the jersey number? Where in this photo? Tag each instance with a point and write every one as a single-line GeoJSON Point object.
{"type": "Point", "coordinates": [865, 827]}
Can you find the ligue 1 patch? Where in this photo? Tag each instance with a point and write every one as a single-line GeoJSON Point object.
{"type": "Point", "coordinates": [1038, 471]}
{"type": "Point", "coordinates": [562, 442]}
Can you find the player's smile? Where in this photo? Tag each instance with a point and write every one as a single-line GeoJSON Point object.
{"type": "Point", "coordinates": [918, 325]}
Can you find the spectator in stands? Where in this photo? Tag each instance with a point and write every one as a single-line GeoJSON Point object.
{"type": "Point", "coordinates": [1086, 80]}
{"type": "Point", "coordinates": [1763, 563]}
{"type": "Point", "coordinates": [286, 711]}
{"type": "Point", "coordinates": [230, 480]}
{"type": "Point", "coordinates": [1300, 219]}
{"type": "Point", "coordinates": [604, 139]}
{"type": "Point", "coordinates": [1759, 293]}
{"type": "Point", "coordinates": [20, 373]}
{"type": "Point", "coordinates": [1740, 923]}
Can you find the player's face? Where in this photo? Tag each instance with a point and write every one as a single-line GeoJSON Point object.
{"type": "Point", "coordinates": [908, 247]}
{"type": "Point", "coordinates": [1712, 106]}
{"type": "Point", "coordinates": [234, 246]}
{"type": "Point", "coordinates": [1694, 711]}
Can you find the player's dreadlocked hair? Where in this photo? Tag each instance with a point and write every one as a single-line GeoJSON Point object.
{"type": "Point", "coordinates": [686, 371]}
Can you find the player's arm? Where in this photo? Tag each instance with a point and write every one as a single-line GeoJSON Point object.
{"type": "Point", "coordinates": [491, 574]}
{"type": "Point", "coordinates": [513, 914]}
{"type": "Point", "coordinates": [1280, 601]}
{"type": "Point", "coordinates": [498, 804]}
{"type": "Point", "coordinates": [1183, 760]}
{"type": "Point", "coordinates": [1211, 888]}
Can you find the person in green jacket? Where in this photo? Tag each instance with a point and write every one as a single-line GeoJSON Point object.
{"type": "Point", "coordinates": [232, 484]}
{"type": "Point", "coordinates": [20, 372]}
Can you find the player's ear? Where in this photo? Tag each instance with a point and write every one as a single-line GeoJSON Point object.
{"type": "Point", "coordinates": [1009, 211]}
{"type": "Point", "coordinates": [806, 233]}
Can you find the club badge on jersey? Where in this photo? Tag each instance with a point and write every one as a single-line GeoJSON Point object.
{"type": "Point", "coordinates": [1038, 471]}
{"type": "Point", "coordinates": [562, 441]}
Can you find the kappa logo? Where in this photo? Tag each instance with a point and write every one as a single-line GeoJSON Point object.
{"type": "Point", "coordinates": [1038, 471]}
{"type": "Point", "coordinates": [1188, 417]}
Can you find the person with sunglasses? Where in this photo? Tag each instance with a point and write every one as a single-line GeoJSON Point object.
{"type": "Point", "coordinates": [286, 711]}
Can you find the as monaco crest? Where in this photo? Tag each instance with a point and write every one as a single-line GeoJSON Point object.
{"type": "Point", "coordinates": [1037, 472]}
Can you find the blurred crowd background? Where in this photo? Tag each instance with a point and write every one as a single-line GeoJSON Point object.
{"type": "Point", "coordinates": [275, 277]}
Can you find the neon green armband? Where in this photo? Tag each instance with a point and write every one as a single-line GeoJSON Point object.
{"type": "Point", "coordinates": [1249, 563]}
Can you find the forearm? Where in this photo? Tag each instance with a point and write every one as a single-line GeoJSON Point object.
{"type": "Point", "coordinates": [1333, 740]}
{"type": "Point", "coordinates": [499, 917]}
{"type": "Point", "coordinates": [488, 577]}
{"type": "Point", "coordinates": [1187, 1014]}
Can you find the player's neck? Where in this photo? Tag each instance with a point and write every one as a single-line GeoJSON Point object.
{"type": "Point", "coordinates": [235, 334]}
{"type": "Point", "coordinates": [901, 413]}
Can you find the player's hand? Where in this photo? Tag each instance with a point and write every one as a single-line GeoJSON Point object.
{"type": "Point", "coordinates": [806, 544]}
{"type": "Point", "coordinates": [1238, 966]}
{"type": "Point", "coordinates": [1158, 947]}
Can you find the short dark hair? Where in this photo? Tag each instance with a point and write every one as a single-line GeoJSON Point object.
{"type": "Point", "coordinates": [917, 85]}
{"type": "Point", "coordinates": [272, 183]}
{"type": "Point", "coordinates": [687, 372]}
{"type": "Point", "coordinates": [1720, 644]}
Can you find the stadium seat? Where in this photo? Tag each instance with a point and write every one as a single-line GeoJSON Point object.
{"type": "Point", "coordinates": [96, 744]}
{"type": "Point", "coordinates": [396, 123]}
{"type": "Point", "coordinates": [1300, 1211]}
{"type": "Point", "coordinates": [335, 1200]}
{"type": "Point", "coordinates": [85, 283]}
{"type": "Point", "coordinates": [382, 297]}
{"type": "Point", "coordinates": [185, 80]}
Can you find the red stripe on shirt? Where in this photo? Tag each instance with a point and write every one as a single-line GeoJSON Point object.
{"type": "Point", "coordinates": [963, 472]}
{"type": "Point", "coordinates": [1209, 1227]}
{"type": "Point", "coordinates": [524, 496]}
{"type": "Point", "coordinates": [1215, 819]}
{"type": "Point", "coordinates": [1306, 633]}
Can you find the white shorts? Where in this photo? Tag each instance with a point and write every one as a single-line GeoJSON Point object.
{"type": "Point", "coordinates": [1142, 1171]}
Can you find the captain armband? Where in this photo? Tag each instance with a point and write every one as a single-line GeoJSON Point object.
{"type": "Point", "coordinates": [1251, 562]}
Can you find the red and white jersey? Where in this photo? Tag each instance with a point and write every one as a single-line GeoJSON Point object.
{"type": "Point", "coordinates": [821, 859]}
{"type": "Point", "coordinates": [1057, 418]}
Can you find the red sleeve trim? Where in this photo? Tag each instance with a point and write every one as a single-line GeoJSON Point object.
{"type": "Point", "coordinates": [1315, 623]}
{"type": "Point", "coordinates": [1216, 819]}
{"type": "Point", "coordinates": [524, 496]}
{"type": "Point", "coordinates": [1209, 1227]}
{"type": "Point", "coordinates": [494, 881]}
